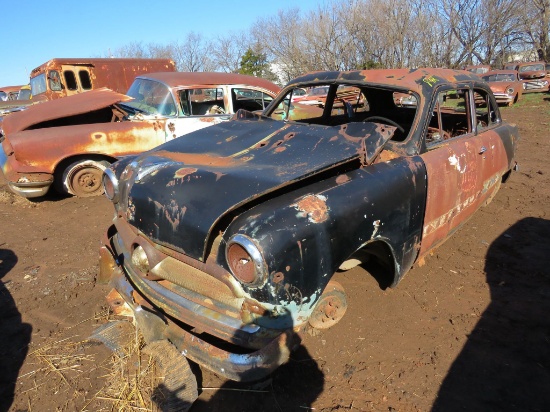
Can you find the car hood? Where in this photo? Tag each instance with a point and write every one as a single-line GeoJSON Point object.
{"type": "Point", "coordinates": [177, 192]}
{"type": "Point", "coordinates": [59, 108]}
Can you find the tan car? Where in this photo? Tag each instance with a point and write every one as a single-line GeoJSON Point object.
{"type": "Point", "coordinates": [68, 142]}
{"type": "Point", "coordinates": [505, 84]}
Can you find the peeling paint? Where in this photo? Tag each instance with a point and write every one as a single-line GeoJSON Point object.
{"type": "Point", "coordinates": [314, 207]}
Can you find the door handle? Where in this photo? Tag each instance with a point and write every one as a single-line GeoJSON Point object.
{"type": "Point", "coordinates": [482, 150]}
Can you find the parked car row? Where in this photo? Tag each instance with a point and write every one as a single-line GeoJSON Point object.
{"type": "Point", "coordinates": [236, 203]}
{"type": "Point", "coordinates": [534, 77]}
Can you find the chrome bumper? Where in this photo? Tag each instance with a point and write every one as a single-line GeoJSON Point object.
{"type": "Point", "coordinates": [154, 308]}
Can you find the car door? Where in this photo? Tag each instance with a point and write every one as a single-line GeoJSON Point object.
{"type": "Point", "coordinates": [455, 160]}
{"type": "Point", "coordinates": [199, 107]}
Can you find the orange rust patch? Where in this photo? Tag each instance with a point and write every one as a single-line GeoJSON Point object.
{"type": "Point", "coordinates": [342, 179]}
{"type": "Point", "coordinates": [280, 149]}
{"type": "Point", "coordinates": [315, 207]}
{"type": "Point", "coordinates": [184, 171]}
{"type": "Point", "coordinates": [278, 277]}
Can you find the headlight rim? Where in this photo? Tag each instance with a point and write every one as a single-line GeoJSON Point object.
{"type": "Point", "coordinates": [256, 255]}
{"type": "Point", "coordinates": [110, 175]}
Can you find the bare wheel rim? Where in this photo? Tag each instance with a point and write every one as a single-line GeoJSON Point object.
{"type": "Point", "coordinates": [86, 181]}
{"type": "Point", "coordinates": [330, 308]}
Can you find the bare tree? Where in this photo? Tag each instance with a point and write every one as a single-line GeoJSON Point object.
{"type": "Point", "coordinates": [193, 54]}
{"type": "Point", "coordinates": [536, 20]}
{"type": "Point", "coordinates": [227, 51]}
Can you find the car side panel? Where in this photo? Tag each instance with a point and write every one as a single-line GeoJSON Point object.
{"type": "Point", "coordinates": [462, 176]}
{"type": "Point", "coordinates": [41, 149]}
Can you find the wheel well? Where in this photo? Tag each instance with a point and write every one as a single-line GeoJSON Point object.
{"type": "Point", "coordinates": [62, 165]}
{"type": "Point", "coordinates": [377, 258]}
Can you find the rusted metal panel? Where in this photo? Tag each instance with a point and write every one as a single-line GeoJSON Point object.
{"type": "Point", "coordinates": [462, 176]}
{"type": "Point", "coordinates": [109, 139]}
{"type": "Point", "coordinates": [77, 104]}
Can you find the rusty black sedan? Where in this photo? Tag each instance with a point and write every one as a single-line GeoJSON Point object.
{"type": "Point", "coordinates": [224, 242]}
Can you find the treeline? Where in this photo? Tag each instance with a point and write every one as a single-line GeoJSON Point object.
{"type": "Point", "coordinates": [355, 34]}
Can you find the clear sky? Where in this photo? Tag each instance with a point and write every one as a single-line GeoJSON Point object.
{"type": "Point", "coordinates": [34, 32]}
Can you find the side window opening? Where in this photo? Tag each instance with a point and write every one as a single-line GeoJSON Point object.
{"type": "Point", "coordinates": [450, 117]}
{"type": "Point", "coordinates": [70, 79]}
{"type": "Point", "coordinates": [55, 80]}
{"type": "Point", "coordinates": [205, 102]}
{"type": "Point", "coordinates": [486, 113]}
{"type": "Point", "coordinates": [85, 80]}
{"type": "Point", "coordinates": [249, 99]}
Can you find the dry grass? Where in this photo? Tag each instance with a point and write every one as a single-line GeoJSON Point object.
{"type": "Point", "coordinates": [131, 384]}
{"type": "Point", "coordinates": [67, 365]}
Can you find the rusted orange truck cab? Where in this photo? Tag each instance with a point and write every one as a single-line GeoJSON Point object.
{"type": "Point", "coordinates": [61, 77]}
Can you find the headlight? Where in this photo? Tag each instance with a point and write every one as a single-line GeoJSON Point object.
{"type": "Point", "coordinates": [510, 90]}
{"type": "Point", "coordinates": [246, 261]}
{"type": "Point", "coordinates": [110, 185]}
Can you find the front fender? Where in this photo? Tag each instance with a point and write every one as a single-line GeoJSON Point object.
{"type": "Point", "coordinates": [306, 234]}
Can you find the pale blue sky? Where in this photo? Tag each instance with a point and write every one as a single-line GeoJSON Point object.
{"type": "Point", "coordinates": [36, 31]}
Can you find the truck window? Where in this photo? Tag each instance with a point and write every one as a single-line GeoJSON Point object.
{"type": "Point", "coordinates": [85, 80]}
{"type": "Point", "coordinates": [70, 80]}
{"type": "Point", "coordinates": [38, 84]}
{"type": "Point", "coordinates": [55, 81]}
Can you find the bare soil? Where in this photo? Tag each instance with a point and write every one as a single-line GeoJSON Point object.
{"type": "Point", "coordinates": [468, 331]}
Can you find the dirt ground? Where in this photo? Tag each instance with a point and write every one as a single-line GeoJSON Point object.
{"type": "Point", "coordinates": [468, 331]}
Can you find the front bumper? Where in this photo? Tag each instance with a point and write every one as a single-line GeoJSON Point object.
{"type": "Point", "coordinates": [532, 86]}
{"type": "Point", "coordinates": [504, 98]}
{"type": "Point", "coordinates": [29, 185]}
{"type": "Point", "coordinates": [208, 333]}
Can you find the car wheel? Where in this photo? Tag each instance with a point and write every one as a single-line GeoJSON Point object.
{"type": "Point", "coordinates": [330, 308]}
{"type": "Point", "coordinates": [84, 178]}
{"type": "Point", "coordinates": [179, 389]}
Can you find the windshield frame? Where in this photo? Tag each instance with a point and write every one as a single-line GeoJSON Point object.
{"type": "Point", "coordinates": [152, 97]}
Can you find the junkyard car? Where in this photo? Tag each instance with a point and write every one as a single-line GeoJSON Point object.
{"type": "Point", "coordinates": [23, 99]}
{"type": "Point", "coordinates": [505, 84]}
{"type": "Point", "coordinates": [69, 142]}
{"type": "Point", "coordinates": [533, 76]}
{"type": "Point", "coordinates": [9, 93]}
{"type": "Point", "coordinates": [226, 243]}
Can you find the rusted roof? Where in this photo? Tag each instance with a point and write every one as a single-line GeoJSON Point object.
{"type": "Point", "coordinates": [55, 109]}
{"type": "Point", "coordinates": [514, 72]}
{"type": "Point", "coordinates": [185, 79]}
{"type": "Point", "coordinates": [87, 61]}
{"type": "Point", "coordinates": [410, 79]}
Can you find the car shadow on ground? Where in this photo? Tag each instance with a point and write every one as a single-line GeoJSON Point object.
{"type": "Point", "coordinates": [15, 335]}
{"type": "Point", "coordinates": [505, 364]}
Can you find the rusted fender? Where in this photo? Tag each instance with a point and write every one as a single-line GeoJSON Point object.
{"type": "Point", "coordinates": [41, 149]}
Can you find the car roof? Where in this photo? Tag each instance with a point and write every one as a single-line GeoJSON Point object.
{"type": "Point", "coordinates": [185, 79]}
{"type": "Point", "coordinates": [514, 72]}
{"type": "Point", "coordinates": [410, 79]}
